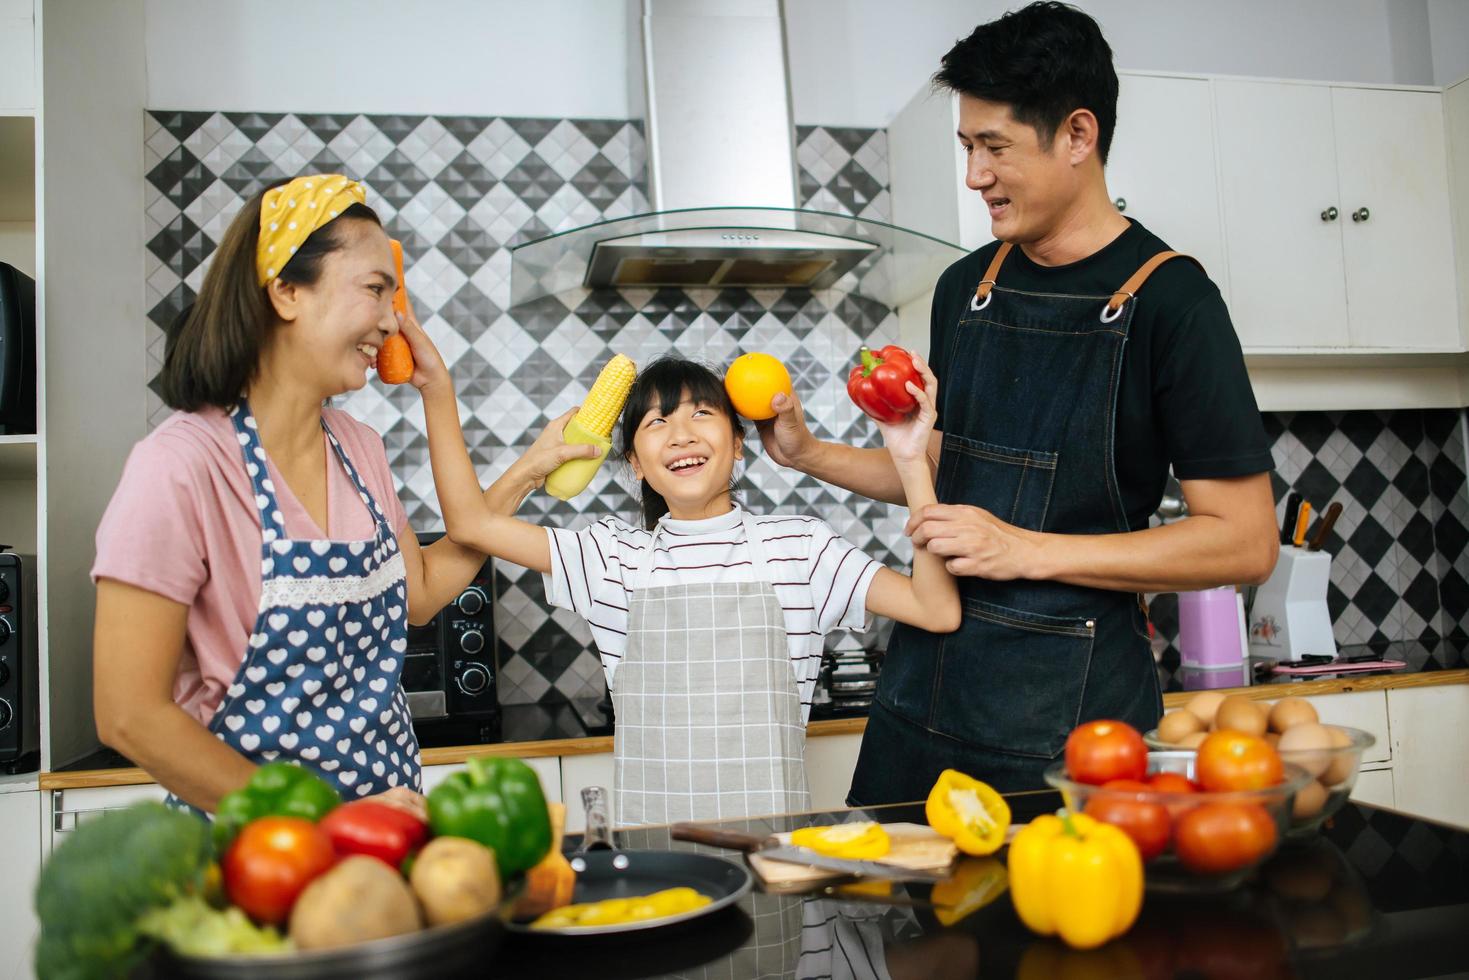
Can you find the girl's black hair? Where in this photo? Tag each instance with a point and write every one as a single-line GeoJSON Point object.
{"type": "Point", "coordinates": [662, 385]}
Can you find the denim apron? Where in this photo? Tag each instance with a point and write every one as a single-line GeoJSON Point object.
{"type": "Point", "coordinates": [1029, 416]}
{"type": "Point", "coordinates": [320, 681]}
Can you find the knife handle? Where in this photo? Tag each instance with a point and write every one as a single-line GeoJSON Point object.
{"type": "Point", "coordinates": [1328, 520]}
{"type": "Point", "coordinates": [1303, 520]}
{"type": "Point", "coordinates": [1292, 507]}
{"type": "Point", "coordinates": [701, 834]}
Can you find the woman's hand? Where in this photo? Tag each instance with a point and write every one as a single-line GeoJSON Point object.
{"type": "Point", "coordinates": [428, 363]}
{"type": "Point", "coordinates": [907, 441]}
{"type": "Point", "coordinates": [551, 449]}
{"type": "Point", "coordinates": [403, 798]}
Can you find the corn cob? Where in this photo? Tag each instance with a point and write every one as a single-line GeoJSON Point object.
{"type": "Point", "coordinates": [593, 424]}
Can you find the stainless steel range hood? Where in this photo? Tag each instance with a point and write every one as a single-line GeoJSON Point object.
{"type": "Point", "coordinates": [722, 178]}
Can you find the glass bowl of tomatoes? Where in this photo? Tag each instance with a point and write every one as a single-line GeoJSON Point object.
{"type": "Point", "coordinates": [1190, 839]}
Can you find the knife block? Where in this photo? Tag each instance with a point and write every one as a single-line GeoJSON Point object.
{"type": "Point", "coordinates": [1290, 618]}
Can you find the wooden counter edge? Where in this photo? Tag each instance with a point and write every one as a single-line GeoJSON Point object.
{"type": "Point", "coordinates": [451, 755]}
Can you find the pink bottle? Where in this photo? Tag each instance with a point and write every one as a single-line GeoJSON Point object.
{"type": "Point", "coordinates": [1211, 628]}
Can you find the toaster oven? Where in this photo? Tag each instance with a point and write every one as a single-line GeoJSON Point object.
{"type": "Point", "coordinates": [20, 708]}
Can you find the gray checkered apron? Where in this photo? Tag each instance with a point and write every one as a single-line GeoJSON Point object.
{"type": "Point", "coordinates": [708, 717]}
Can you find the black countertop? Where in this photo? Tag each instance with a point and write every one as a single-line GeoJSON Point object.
{"type": "Point", "coordinates": [1378, 895]}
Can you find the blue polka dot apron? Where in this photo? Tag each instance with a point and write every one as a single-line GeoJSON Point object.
{"type": "Point", "coordinates": [320, 681]}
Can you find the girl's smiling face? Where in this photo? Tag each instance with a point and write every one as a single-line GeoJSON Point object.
{"type": "Point", "coordinates": [687, 454]}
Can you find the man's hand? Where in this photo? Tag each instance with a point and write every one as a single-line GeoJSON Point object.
{"type": "Point", "coordinates": [786, 437]}
{"type": "Point", "coordinates": [972, 541]}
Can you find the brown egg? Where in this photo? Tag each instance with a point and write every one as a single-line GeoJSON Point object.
{"type": "Point", "coordinates": [1287, 713]}
{"type": "Point", "coordinates": [1177, 725]}
{"type": "Point", "coordinates": [1308, 746]}
{"type": "Point", "coordinates": [1238, 713]}
{"type": "Point", "coordinates": [1193, 741]}
{"type": "Point", "coordinates": [1273, 738]}
{"type": "Point", "coordinates": [1343, 764]}
{"type": "Point", "coordinates": [1203, 705]}
{"type": "Point", "coordinates": [1309, 801]}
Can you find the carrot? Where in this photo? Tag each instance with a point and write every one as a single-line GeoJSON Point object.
{"type": "Point", "coordinates": [400, 294]}
{"type": "Point", "coordinates": [395, 360]}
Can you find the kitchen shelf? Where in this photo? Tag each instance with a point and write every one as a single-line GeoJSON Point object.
{"type": "Point", "coordinates": [18, 457]}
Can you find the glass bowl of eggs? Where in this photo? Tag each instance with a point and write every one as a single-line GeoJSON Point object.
{"type": "Point", "coordinates": [1331, 754]}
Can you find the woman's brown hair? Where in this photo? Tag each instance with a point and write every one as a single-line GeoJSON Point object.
{"type": "Point", "coordinates": [213, 349]}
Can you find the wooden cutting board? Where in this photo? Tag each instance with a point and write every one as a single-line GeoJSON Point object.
{"type": "Point", "coordinates": [915, 846]}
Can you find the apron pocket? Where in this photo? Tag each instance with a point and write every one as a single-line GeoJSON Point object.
{"type": "Point", "coordinates": [1013, 484]}
{"type": "Point", "coordinates": [1012, 681]}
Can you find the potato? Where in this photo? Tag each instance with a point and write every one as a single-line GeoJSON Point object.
{"type": "Point", "coordinates": [1178, 725]}
{"type": "Point", "coordinates": [455, 879]}
{"type": "Point", "coordinates": [358, 900]}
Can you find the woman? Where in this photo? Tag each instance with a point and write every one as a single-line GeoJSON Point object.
{"type": "Point", "coordinates": [255, 571]}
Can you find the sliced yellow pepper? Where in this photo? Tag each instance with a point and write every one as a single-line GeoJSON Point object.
{"type": "Point", "coordinates": [975, 883]}
{"type": "Point", "coordinates": [617, 911]}
{"type": "Point", "coordinates": [863, 841]}
{"type": "Point", "coordinates": [968, 812]}
{"type": "Point", "coordinates": [1075, 877]}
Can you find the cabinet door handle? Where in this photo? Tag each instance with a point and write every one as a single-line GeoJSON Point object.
{"type": "Point", "coordinates": [1121, 203]}
{"type": "Point", "coordinates": [1361, 214]}
{"type": "Point", "coordinates": [1329, 214]}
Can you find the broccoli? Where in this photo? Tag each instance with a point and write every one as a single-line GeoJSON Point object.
{"type": "Point", "coordinates": [102, 880]}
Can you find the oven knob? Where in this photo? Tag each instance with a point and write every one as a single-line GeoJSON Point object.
{"type": "Point", "coordinates": [473, 679]}
{"type": "Point", "coordinates": [5, 713]}
{"type": "Point", "coordinates": [5, 631]}
{"type": "Point", "coordinates": [471, 601]}
{"type": "Point", "coordinates": [471, 641]}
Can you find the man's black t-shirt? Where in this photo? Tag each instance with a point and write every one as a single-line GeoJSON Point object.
{"type": "Point", "coordinates": [1184, 397]}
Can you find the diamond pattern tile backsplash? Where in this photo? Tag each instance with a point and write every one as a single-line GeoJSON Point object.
{"type": "Point", "coordinates": [459, 190]}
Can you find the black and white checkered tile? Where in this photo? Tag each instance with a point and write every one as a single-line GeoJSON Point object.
{"type": "Point", "coordinates": [457, 191]}
{"type": "Point", "coordinates": [1399, 568]}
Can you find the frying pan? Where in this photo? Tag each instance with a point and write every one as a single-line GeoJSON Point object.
{"type": "Point", "coordinates": [604, 871]}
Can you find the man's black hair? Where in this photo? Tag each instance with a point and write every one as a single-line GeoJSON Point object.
{"type": "Point", "coordinates": [1044, 61]}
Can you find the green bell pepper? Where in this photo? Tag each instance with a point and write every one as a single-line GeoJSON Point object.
{"type": "Point", "coordinates": [277, 789]}
{"type": "Point", "coordinates": [499, 803]}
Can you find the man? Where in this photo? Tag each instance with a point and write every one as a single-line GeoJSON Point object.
{"type": "Point", "coordinates": [1072, 372]}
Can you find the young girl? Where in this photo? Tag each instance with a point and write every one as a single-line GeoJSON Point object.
{"type": "Point", "coordinates": [709, 619]}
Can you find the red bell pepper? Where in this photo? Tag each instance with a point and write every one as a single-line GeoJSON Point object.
{"type": "Point", "coordinates": [376, 830]}
{"type": "Point", "coordinates": [878, 384]}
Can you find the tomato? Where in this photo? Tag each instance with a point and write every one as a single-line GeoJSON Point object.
{"type": "Point", "coordinates": [1171, 782]}
{"type": "Point", "coordinates": [271, 861]}
{"type": "Point", "coordinates": [1147, 823]}
{"type": "Point", "coordinates": [1218, 837]}
{"type": "Point", "coordinates": [1104, 750]}
{"type": "Point", "coordinates": [1235, 761]}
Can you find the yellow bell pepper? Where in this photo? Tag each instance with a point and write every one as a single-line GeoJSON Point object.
{"type": "Point", "coordinates": [975, 883]}
{"type": "Point", "coordinates": [1075, 877]}
{"type": "Point", "coordinates": [864, 841]}
{"type": "Point", "coordinates": [968, 812]}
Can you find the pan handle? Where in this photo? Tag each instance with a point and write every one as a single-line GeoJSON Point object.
{"type": "Point", "coordinates": [598, 834]}
{"type": "Point", "coordinates": [703, 834]}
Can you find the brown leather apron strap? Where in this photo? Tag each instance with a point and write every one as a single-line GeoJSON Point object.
{"type": "Point", "coordinates": [1129, 289]}
{"type": "Point", "coordinates": [988, 282]}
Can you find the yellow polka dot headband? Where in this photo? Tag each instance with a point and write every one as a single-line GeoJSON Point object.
{"type": "Point", "coordinates": [291, 212]}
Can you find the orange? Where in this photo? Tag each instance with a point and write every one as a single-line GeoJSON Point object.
{"type": "Point", "coordinates": [752, 381]}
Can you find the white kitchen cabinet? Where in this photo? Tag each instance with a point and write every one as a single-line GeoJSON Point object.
{"type": "Point", "coordinates": [1277, 166]}
{"type": "Point", "coordinates": [17, 56]}
{"type": "Point", "coordinates": [830, 761]}
{"type": "Point", "coordinates": [1397, 234]}
{"type": "Point", "coordinates": [1366, 710]}
{"type": "Point", "coordinates": [65, 808]}
{"type": "Point", "coordinates": [577, 773]}
{"type": "Point", "coordinates": [1375, 788]}
{"type": "Point", "coordinates": [1430, 751]}
{"type": "Point", "coordinates": [1161, 169]}
{"type": "Point", "coordinates": [20, 857]}
{"type": "Point", "coordinates": [1336, 223]}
